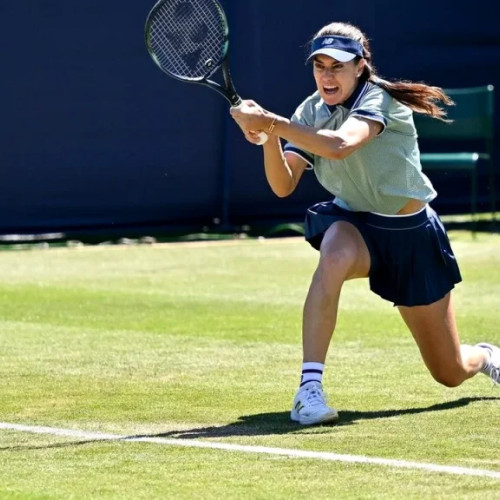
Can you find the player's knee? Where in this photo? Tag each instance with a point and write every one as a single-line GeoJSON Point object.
{"type": "Point", "coordinates": [336, 263]}
{"type": "Point", "coordinates": [343, 254]}
{"type": "Point", "coordinates": [450, 377]}
{"type": "Point", "coordinates": [338, 259]}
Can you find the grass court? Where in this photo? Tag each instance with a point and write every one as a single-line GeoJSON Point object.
{"type": "Point", "coordinates": [182, 344]}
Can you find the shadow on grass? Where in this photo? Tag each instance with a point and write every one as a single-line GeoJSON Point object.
{"type": "Point", "coordinates": [263, 424]}
{"type": "Point", "coordinates": [280, 423]}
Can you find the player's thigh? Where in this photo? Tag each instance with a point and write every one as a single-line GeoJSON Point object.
{"type": "Point", "coordinates": [434, 329]}
{"type": "Point", "coordinates": [344, 250]}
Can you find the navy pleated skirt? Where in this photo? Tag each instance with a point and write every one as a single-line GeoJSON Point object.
{"type": "Point", "coordinates": [412, 262]}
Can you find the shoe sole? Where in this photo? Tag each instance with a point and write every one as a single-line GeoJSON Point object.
{"type": "Point", "coordinates": [326, 418]}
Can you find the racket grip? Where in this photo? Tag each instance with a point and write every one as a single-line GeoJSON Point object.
{"type": "Point", "coordinates": [263, 137]}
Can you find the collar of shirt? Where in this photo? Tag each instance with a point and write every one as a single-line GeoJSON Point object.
{"type": "Point", "coordinates": [351, 100]}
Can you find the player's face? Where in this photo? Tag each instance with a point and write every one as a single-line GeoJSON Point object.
{"type": "Point", "coordinates": [336, 81]}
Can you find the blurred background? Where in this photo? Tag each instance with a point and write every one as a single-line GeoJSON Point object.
{"type": "Point", "coordinates": [97, 143]}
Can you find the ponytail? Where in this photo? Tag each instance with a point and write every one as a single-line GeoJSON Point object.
{"type": "Point", "coordinates": [419, 97]}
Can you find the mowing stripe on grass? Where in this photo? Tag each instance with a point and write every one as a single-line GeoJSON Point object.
{"type": "Point", "coordinates": [314, 455]}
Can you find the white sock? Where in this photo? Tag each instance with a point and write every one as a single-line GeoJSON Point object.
{"type": "Point", "coordinates": [312, 372]}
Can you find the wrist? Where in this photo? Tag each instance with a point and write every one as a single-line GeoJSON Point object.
{"type": "Point", "coordinates": [274, 121]}
{"type": "Point", "coordinates": [272, 125]}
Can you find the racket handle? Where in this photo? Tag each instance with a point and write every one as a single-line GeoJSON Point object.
{"type": "Point", "coordinates": [263, 137]}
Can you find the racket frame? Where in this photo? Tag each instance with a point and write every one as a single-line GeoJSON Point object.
{"type": "Point", "coordinates": [228, 90]}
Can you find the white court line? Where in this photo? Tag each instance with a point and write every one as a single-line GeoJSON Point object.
{"type": "Point", "coordinates": [315, 455]}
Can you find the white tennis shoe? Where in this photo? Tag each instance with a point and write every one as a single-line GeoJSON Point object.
{"type": "Point", "coordinates": [309, 406]}
{"type": "Point", "coordinates": [493, 371]}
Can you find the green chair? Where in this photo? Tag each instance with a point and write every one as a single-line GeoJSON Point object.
{"type": "Point", "coordinates": [472, 128]}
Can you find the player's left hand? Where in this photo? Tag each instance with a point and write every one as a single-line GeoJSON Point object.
{"type": "Point", "coordinates": [250, 116]}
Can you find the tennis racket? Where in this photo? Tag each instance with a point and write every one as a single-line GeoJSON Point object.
{"type": "Point", "coordinates": [189, 41]}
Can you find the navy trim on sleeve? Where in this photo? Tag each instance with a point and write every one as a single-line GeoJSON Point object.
{"type": "Point", "coordinates": [370, 116]}
{"type": "Point", "coordinates": [289, 148]}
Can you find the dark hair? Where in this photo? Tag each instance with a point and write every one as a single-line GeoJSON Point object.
{"type": "Point", "coordinates": [419, 97]}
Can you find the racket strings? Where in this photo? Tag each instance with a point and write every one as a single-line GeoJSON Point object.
{"type": "Point", "coordinates": [188, 38]}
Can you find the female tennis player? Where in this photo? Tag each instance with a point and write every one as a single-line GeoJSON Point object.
{"type": "Point", "coordinates": [357, 133]}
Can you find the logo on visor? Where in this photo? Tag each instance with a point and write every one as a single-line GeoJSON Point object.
{"type": "Point", "coordinates": [328, 41]}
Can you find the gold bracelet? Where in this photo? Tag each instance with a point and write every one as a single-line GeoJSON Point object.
{"type": "Point", "coordinates": [272, 126]}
